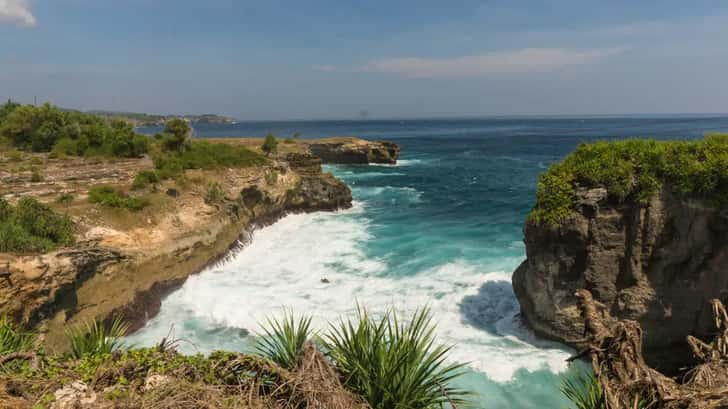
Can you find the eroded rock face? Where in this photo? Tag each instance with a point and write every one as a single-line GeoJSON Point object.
{"type": "Point", "coordinates": [355, 151]}
{"type": "Point", "coordinates": [658, 264]}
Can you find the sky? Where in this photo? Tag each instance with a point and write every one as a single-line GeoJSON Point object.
{"type": "Point", "coordinates": [334, 59]}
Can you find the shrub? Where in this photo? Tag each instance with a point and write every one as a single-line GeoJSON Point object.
{"type": "Point", "coordinates": [36, 177]}
{"type": "Point", "coordinates": [215, 193]}
{"type": "Point", "coordinates": [393, 364]}
{"type": "Point", "coordinates": [65, 198]}
{"type": "Point", "coordinates": [270, 144]}
{"type": "Point", "coordinates": [96, 338]}
{"type": "Point", "coordinates": [283, 340]}
{"type": "Point", "coordinates": [145, 178]}
{"type": "Point", "coordinates": [108, 196]}
{"type": "Point", "coordinates": [176, 135]}
{"type": "Point", "coordinates": [32, 226]}
{"type": "Point", "coordinates": [205, 155]}
{"type": "Point", "coordinates": [49, 129]}
{"type": "Point", "coordinates": [634, 170]}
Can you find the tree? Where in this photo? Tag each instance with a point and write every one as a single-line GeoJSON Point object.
{"type": "Point", "coordinates": [296, 135]}
{"type": "Point", "coordinates": [177, 134]}
{"type": "Point", "coordinates": [270, 145]}
{"type": "Point", "coordinates": [6, 109]}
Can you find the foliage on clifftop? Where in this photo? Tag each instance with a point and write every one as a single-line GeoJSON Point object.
{"type": "Point", "coordinates": [49, 129]}
{"type": "Point", "coordinates": [635, 169]}
{"type": "Point", "coordinates": [32, 226]}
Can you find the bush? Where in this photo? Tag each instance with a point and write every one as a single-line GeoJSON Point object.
{"type": "Point", "coordinates": [205, 155]}
{"type": "Point", "coordinates": [65, 198]}
{"type": "Point", "coordinates": [32, 226]}
{"type": "Point", "coordinates": [36, 177]}
{"type": "Point", "coordinates": [634, 170]}
{"type": "Point", "coordinates": [215, 193]}
{"type": "Point", "coordinates": [49, 129]}
{"type": "Point", "coordinates": [393, 364]}
{"type": "Point", "coordinates": [176, 135]}
{"type": "Point", "coordinates": [585, 392]}
{"type": "Point", "coordinates": [145, 178]}
{"type": "Point", "coordinates": [96, 338]}
{"type": "Point", "coordinates": [270, 144]}
{"type": "Point", "coordinates": [108, 196]}
{"type": "Point", "coordinates": [283, 340]}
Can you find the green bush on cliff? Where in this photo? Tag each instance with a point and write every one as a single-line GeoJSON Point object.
{"type": "Point", "coordinates": [283, 340]}
{"type": "Point", "coordinates": [205, 155]}
{"type": "Point", "coordinates": [96, 338]}
{"type": "Point", "coordinates": [634, 170]}
{"type": "Point", "coordinates": [32, 226]}
{"type": "Point", "coordinates": [109, 196]}
{"type": "Point", "coordinates": [47, 128]}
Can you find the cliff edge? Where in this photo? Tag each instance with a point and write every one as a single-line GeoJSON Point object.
{"type": "Point", "coordinates": [640, 225]}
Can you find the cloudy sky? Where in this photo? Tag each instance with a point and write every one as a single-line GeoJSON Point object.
{"type": "Point", "coordinates": [395, 58]}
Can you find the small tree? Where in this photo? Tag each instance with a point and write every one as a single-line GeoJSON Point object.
{"type": "Point", "coordinates": [177, 134]}
{"type": "Point", "coordinates": [296, 135]}
{"type": "Point", "coordinates": [270, 145]}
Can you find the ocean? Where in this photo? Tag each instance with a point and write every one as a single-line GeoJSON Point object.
{"type": "Point", "coordinates": [442, 228]}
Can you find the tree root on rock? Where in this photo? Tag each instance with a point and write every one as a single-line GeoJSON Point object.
{"type": "Point", "coordinates": [615, 349]}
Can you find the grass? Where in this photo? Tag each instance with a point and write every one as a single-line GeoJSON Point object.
{"type": "Point", "coordinates": [12, 339]}
{"type": "Point", "coordinates": [283, 340]}
{"type": "Point", "coordinates": [394, 364]}
{"type": "Point", "coordinates": [634, 170]}
{"type": "Point", "coordinates": [32, 226]}
{"type": "Point", "coordinates": [106, 195]}
{"type": "Point", "coordinates": [215, 193]}
{"type": "Point", "coordinates": [96, 338]}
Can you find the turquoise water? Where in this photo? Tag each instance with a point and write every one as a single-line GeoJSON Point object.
{"type": "Point", "coordinates": [442, 228]}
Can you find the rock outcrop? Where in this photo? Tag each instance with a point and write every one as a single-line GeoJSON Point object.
{"type": "Point", "coordinates": [354, 151]}
{"type": "Point", "coordinates": [657, 263]}
{"type": "Point", "coordinates": [127, 266]}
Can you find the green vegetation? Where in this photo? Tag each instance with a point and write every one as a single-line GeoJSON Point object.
{"type": "Point", "coordinates": [49, 129]}
{"type": "Point", "coordinates": [65, 199]}
{"type": "Point", "coordinates": [32, 226]}
{"type": "Point", "coordinates": [96, 338]}
{"type": "Point", "coordinates": [12, 339]}
{"type": "Point", "coordinates": [284, 339]}
{"type": "Point", "coordinates": [144, 179]}
{"type": "Point", "coordinates": [111, 197]}
{"type": "Point", "coordinates": [270, 144]}
{"type": "Point", "coordinates": [393, 364]}
{"type": "Point", "coordinates": [585, 392]}
{"type": "Point", "coordinates": [176, 135]}
{"type": "Point", "coordinates": [215, 193]}
{"type": "Point", "coordinates": [634, 170]}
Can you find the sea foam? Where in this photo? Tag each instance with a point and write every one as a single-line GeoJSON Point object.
{"type": "Point", "coordinates": [318, 264]}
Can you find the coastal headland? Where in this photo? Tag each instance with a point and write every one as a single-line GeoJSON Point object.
{"type": "Point", "coordinates": [124, 262]}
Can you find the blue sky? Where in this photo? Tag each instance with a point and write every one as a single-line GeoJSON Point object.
{"type": "Point", "coordinates": [332, 59]}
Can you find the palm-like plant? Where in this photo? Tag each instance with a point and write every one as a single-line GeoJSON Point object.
{"type": "Point", "coordinates": [584, 391]}
{"type": "Point", "coordinates": [393, 364]}
{"type": "Point", "coordinates": [94, 337]}
{"type": "Point", "coordinates": [12, 339]}
{"type": "Point", "coordinates": [283, 340]}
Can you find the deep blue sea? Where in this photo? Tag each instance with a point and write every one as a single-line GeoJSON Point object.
{"type": "Point", "coordinates": [441, 228]}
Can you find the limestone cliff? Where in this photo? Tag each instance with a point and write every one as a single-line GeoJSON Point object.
{"type": "Point", "coordinates": [354, 151]}
{"type": "Point", "coordinates": [125, 263]}
{"type": "Point", "coordinates": [657, 263]}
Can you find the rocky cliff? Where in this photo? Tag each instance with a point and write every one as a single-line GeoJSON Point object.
{"type": "Point", "coordinates": [354, 151]}
{"type": "Point", "coordinates": [125, 263]}
{"type": "Point", "coordinates": [657, 261]}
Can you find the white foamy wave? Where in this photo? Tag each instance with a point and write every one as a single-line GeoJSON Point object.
{"type": "Point", "coordinates": [286, 264]}
{"type": "Point", "coordinates": [401, 162]}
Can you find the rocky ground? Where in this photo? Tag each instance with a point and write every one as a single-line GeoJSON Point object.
{"type": "Point", "coordinates": [125, 262]}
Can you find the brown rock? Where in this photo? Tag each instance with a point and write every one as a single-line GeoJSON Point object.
{"type": "Point", "coordinates": [657, 264]}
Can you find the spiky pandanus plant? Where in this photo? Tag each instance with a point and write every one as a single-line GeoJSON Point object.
{"type": "Point", "coordinates": [283, 339]}
{"type": "Point", "coordinates": [394, 364]}
{"type": "Point", "coordinates": [95, 337]}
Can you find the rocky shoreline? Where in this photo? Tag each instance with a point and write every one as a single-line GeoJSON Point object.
{"type": "Point", "coordinates": [114, 271]}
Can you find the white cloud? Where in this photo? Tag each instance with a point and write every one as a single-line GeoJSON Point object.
{"type": "Point", "coordinates": [17, 12]}
{"type": "Point", "coordinates": [505, 62]}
